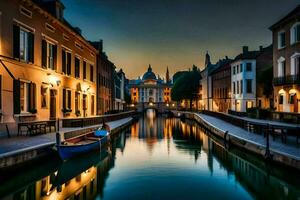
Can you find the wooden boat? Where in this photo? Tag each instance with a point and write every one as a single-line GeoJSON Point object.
{"type": "Point", "coordinates": [82, 144]}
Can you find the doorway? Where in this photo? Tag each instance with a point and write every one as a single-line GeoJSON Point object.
{"type": "Point", "coordinates": [53, 104]}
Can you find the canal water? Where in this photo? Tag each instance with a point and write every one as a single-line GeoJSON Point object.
{"type": "Point", "coordinates": [155, 158]}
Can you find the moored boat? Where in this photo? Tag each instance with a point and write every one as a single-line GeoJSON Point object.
{"type": "Point", "coordinates": [82, 144]}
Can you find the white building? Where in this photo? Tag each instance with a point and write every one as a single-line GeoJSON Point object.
{"type": "Point", "coordinates": [243, 84]}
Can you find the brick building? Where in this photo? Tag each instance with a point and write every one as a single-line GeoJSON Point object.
{"type": "Point", "coordinates": [286, 62]}
{"type": "Point", "coordinates": [47, 68]}
{"type": "Point", "coordinates": [221, 84]}
{"type": "Point", "coordinates": [105, 80]}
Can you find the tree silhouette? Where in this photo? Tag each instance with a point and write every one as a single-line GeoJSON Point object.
{"type": "Point", "coordinates": [186, 87]}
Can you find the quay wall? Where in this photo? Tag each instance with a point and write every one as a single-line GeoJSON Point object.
{"type": "Point", "coordinates": [18, 158]}
{"type": "Point", "coordinates": [251, 146]}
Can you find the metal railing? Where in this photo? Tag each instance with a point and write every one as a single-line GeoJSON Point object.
{"type": "Point", "coordinates": [288, 79]}
{"type": "Point", "coordinates": [90, 121]}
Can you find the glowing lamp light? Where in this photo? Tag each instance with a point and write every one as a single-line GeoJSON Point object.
{"type": "Point", "coordinates": [173, 105]}
{"type": "Point", "coordinates": [53, 80]}
{"type": "Point", "coordinates": [150, 104]}
{"type": "Point", "coordinates": [167, 105]}
{"type": "Point", "coordinates": [132, 105]}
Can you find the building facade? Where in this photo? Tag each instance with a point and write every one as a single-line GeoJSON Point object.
{"type": "Point", "coordinates": [245, 86]}
{"type": "Point", "coordinates": [151, 89]}
{"type": "Point", "coordinates": [221, 84]}
{"type": "Point", "coordinates": [47, 68]}
{"type": "Point", "coordinates": [286, 62]}
{"type": "Point", "coordinates": [105, 80]}
{"type": "Point", "coordinates": [119, 90]}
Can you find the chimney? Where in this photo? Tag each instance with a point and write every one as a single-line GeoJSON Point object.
{"type": "Point", "coordinates": [226, 57]}
{"type": "Point", "coordinates": [260, 48]}
{"type": "Point", "coordinates": [55, 7]}
{"type": "Point", "coordinates": [245, 49]}
{"type": "Point", "coordinates": [78, 30]}
{"type": "Point", "coordinates": [100, 47]}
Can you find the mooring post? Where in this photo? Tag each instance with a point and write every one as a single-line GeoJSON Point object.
{"type": "Point", "coordinates": [267, 154]}
{"type": "Point", "coordinates": [57, 124]}
{"type": "Point", "coordinates": [7, 131]}
{"type": "Point", "coordinates": [58, 139]}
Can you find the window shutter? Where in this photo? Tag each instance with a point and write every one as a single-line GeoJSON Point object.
{"type": "Point", "coordinates": [32, 96]}
{"type": "Point", "coordinates": [69, 64]}
{"type": "Point", "coordinates": [16, 96]}
{"type": "Point", "coordinates": [55, 56]}
{"type": "Point", "coordinates": [31, 47]}
{"type": "Point", "coordinates": [64, 98]}
{"type": "Point", "coordinates": [69, 99]}
{"type": "Point", "coordinates": [64, 62]}
{"type": "Point", "coordinates": [44, 54]}
{"type": "Point", "coordinates": [16, 42]}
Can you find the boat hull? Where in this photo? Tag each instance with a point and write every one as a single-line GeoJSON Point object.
{"type": "Point", "coordinates": [68, 151]}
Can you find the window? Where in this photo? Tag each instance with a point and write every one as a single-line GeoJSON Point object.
{"type": "Point", "coordinates": [233, 87]}
{"type": "Point", "coordinates": [281, 40]}
{"type": "Point", "coordinates": [281, 68]}
{"type": "Point", "coordinates": [295, 64]}
{"type": "Point", "coordinates": [249, 85]}
{"type": "Point", "coordinates": [241, 68]}
{"type": "Point", "coordinates": [92, 104]}
{"type": "Point", "coordinates": [249, 67]}
{"type": "Point", "coordinates": [77, 67]}
{"type": "Point", "coordinates": [77, 102]}
{"type": "Point", "coordinates": [66, 62]}
{"type": "Point", "coordinates": [25, 12]}
{"type": "Point", "coordinates": [92, 73]}
{"type": "Point", "coordinates": [23, 44]}
{"type": "Point", "coordinates": [84, 69]}
{"type": "Point", "coordinates": [237, 69]}
{"type": "Point", "coordinates": [233, 70]}
{"type": "Point", "coordinates": [280, 99]}
{"type": "Point", "coordinates": [44, 97]}
{"type": "Point", "coordinates": [27, 97]}
{"type": "Point", "coordinates": [50, 28]}
{"type": "Point", "coordinates": [291, 98]}
{"type": "Point", "coordinates": [84, 103]}
{"type": "Point", "coordinates": [295, 33]}
{"type": "Point", "coordinates": [249, 104]}
{"type": "Point", "coordinates": [241, 86]}
{"type": "Point", "coordinates": [237, 87]}
{"type": "Point", "coordinates": [48, 55]}
{"type": "Point", "coordinates": [23, 96]}
{"type": "Point", "coordinates": [67, 99]}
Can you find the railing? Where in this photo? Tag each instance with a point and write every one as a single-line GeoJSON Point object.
{"type": "Point", "coordinates": [288, 79]}
{"type": "Point", "coordinates": [90, 121]}
{"type": "Point", "coordinates": [258, 127]}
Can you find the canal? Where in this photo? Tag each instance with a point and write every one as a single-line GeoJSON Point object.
{"type": "Point", "coordinates": [155, 158]}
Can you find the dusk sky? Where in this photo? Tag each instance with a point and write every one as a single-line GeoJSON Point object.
{"type": "Point", "coordinates": [175, 33]}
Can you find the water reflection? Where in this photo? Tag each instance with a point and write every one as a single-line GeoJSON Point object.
{"type": "Point", "coordinates": [156, 158]}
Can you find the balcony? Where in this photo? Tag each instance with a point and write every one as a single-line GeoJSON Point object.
{"type": "Point", "coordinates": [287, 80]}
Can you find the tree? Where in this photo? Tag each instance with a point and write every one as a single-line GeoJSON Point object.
{"type": "Point", "coordinates": [187, 86]}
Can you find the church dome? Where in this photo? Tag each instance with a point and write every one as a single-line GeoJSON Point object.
{"type": "Point", "coordinates": [149, 74]}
